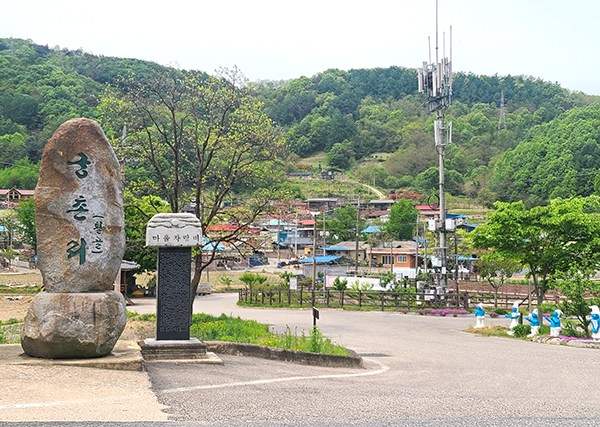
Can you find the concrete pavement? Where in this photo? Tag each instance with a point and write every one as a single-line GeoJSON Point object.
{"type": "Point", "coordinates": [419, 368]}
{"type": "Point", "coordinates": [420, 371]}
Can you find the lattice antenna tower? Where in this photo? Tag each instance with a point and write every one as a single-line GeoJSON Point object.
{"type": "Point", "coordinates": [435, 80]}
{"type": "Point", "coordinates": [12, 46]}
{"type": "Point", "coordinates": [502, 121]}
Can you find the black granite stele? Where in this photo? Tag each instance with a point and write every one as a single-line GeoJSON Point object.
{"type": "Point", "coordinates": [173, 316]}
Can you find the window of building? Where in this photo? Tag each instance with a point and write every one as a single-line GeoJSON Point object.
{"type": "Point", "coordinates": [387, 259]}
{"type": "Point", "coordinates": [401, 259]}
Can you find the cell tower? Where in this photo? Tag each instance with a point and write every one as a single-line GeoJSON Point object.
{"type": "Point", "coordinates": [435, 79]}
{"type": "Point", "coordinates": [502, 121]}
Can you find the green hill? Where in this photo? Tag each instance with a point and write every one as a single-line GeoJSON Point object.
{"type": "Point", "coordinates": [370, 122]}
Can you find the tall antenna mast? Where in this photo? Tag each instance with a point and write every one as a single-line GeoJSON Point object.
{"type": "Point", "coordinates": [502, 121]}
{"type": "Point", "coordinates": [435, 79]}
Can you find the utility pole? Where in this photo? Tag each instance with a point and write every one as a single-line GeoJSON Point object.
{"type": "Point", "coordinates": [357, 235]}
{"type": "Point", "coordinates": [435, 79]}
{"type": "Point", "coordinates": [314, 266]}
{"type": "Point", "coordinates": [417, 248]}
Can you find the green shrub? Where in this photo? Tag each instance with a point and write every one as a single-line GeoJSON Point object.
{"type": "Point", "coordinates": [548, 307]}
{"type": "Point", "coordinates": [522, 330]}
{"type": "Point", "coordinates": [571, 328]}
{"type": "Point", "coordinates": [340, 285]}
{"type": "Point", "coordinates": [252, 280]}
{"type": "Point", "coordinates": [500, 311]}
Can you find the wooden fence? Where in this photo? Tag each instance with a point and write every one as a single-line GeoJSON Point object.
{"type": "Point", "coordinates": [339, 299]}
{"type": "Point", "coordinates": [468, 297]}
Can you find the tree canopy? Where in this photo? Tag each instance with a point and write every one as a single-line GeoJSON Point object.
{"type": "Point", "coordinates": [198, 142]}
{"type": "Point", "coordinates": [547, 240]}
{"type": "Point", "coordinates": [402, 221]}
{"type": "Point", "coordinates": [558, 159]}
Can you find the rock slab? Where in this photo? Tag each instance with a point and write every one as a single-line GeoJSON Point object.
{"type": "Point", "coordinates": [174, 230]}
{"type": "Point", "coordinates": [81, 239]}
{"type": "Point", "coordinates": [73, 325]}
{"type": "Point", "coordinates": [79, 210]}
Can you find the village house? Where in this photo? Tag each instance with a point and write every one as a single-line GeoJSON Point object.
{"type": "Point", "coordinates": [9, 198]}
{"type": "Point", "coordinates": [401, 261]}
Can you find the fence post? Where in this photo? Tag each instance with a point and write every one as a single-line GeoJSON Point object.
{"type": "Point", "coordinates": [300, 296]}
{"type": "Point", "coordinates": [359, 298]}
{"type": "Point", "coordinates": [289, 297]}
{"type": "Point", "coordinates": [382, 296]}
{"type": "Point", "coordinates": [342, 298]}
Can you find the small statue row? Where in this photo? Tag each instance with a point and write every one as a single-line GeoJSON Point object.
{"type": "Point", "coordinates": [534, 320]}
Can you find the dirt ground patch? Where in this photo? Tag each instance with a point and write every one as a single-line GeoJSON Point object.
{"type": "Point", "coordinates": [136, 330]}
{"type": "Point", "coordinates": [20, 278]}
{"type": "Point", "coordinates": [15, 309]}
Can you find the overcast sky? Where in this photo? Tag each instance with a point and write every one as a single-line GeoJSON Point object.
{"type": "Point", "coordinates": [281, 39]}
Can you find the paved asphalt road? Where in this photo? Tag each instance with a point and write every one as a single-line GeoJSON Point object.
{"type": "Point", "coordinates": [421, 371]}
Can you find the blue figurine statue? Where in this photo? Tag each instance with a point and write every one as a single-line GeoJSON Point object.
{"type": "Point", "coordinates": [555, 323]}
{"type": "Point", "coordinates": [595, 320]}
{"type": "Point", "coordinates": [514, 318]}
{"type": "Point", "coordinates": [535, 323]}
{"type": "Point", "coordinates": [479, 316]}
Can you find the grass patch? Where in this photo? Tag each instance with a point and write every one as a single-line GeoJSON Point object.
{"type": "Point", "coordinates": [135, 317]}
{"type": "Point", "coordinates": [234, 329]}
{"type": "Point", "coordinates": [11, 333]}
{"type": "Point", "coordinates": [19, 289]}
{"type": "Point", "coordinates": [501, 331]}
{"type": "Point", "coordinates": [489, 331]}
{"type": "Point", "coordinates": [11, 321]}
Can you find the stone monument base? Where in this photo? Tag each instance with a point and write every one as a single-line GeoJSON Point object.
{"type": "Point", "coordinates": [153, 349]}
{"type": "Point", "coordinates": [73, 325]}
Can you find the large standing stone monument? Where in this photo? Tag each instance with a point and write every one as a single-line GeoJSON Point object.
{"type": "Point", "coordinates": [81, 240]}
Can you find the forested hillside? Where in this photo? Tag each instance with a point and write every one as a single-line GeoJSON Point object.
{"type": "Point", "coordinates": [371, 123]}
{"type": "Point", "coordinates": [355, 114]}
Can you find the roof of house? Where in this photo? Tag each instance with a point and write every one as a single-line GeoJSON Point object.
{"type": "Point", "coordinates": [383, 201]}
{"type": "Point", "coordinates": [351, 244]}
{"type": "Point", "coordinates": [22, 192]}
{"type": "Point", "coordinates": [211, 247]}
{"type": "Point", "coordinates": [129, 265]}
{"type": "Point", "coordinates": [377, 214]}
{"type": "Point", "coordinates": [321, 259]}
{"type": "Point", "coordinates": [394, 251]}
{"type": "Point", "coordinates": [427, 208]}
